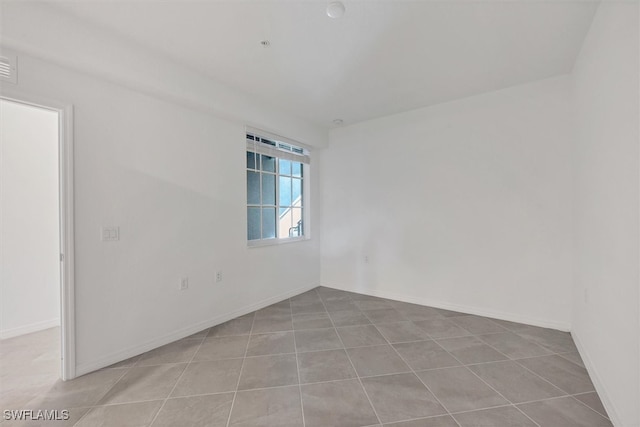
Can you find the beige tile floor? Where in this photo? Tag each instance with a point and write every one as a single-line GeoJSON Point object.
{"type": "Point", "coordinates": [323, 358]}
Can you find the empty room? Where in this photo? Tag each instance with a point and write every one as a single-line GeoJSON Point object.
{"type": "Point", "coordinates": [320, 213]}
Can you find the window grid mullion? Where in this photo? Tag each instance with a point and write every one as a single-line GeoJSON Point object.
{"type": "Point", "coordinates": [260, 196]}
{"type": "Point", "coordinates": [277, 206]}
{"type": "Point", "coordinates": [291, 198]}
{"type": "Point", "coordinates": [277, 198]}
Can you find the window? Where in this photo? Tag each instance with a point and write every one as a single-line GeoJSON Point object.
{"type": "Point", "coordinates": [275, 189]}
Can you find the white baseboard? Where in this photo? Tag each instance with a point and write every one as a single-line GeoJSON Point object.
{"type": "Point", "coordinates": [597, 382]}
{"type": "Point", "coordinates": [27, 329]}
{"type": "Point", "coordinates": [512, 317]}
{"type": "Point", "coordinates": [119, 356]}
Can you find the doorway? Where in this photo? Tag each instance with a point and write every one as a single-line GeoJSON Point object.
{"type": "Point", "coordinates": [36, 235]}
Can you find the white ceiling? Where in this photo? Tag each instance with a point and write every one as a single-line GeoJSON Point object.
{"type": "Point", "coordinates": [381, 58]}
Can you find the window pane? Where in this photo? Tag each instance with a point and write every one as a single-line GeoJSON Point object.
{"type": "Point", "coordinates": [296, 192]}
{"type": "Point", "coordinates": [268, 189]}
{"type": "Point", "coordinates": [253, 223]}
{"type": "Point", "coordinates": [268, 163]}
{"type": "Point", "coordinates": [268, 223]}
{"type": "Point", "coordinates": [253, 188]}
{"type": "Point", "coordinates": [296, 220]}
{"type": "Point", "coordinates": [284, 223]}
{"type": "Point", "coordinates": [285, 191]}
{"type": "Point", "coordinates": [296, 169]}
{"type": "Point", "coordinates": [285, 167]}
{"type": "Point", "coordinates": [251, 160]}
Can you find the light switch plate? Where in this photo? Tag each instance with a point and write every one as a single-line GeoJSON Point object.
{"type": "Point", "coordinates": [110, 233]}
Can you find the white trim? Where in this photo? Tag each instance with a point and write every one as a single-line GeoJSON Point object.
{"type": "Point", "coordinates": [258, 243]}
{"type": "Point", "coordinates": [612, 412]}
{"type": "Point", "coordinates": [66, 203]}
{"type": "Point", "coordinates": [511, 317]}
{"type": "Point", "coordinates": [67, 240]}
{"type": "Point", "coordinates": [268, 150]}
{"type": "Point", "coordinates": [307, 200]}
{"type": "Point", "coordinates": [276, 137]}
{"type": "Point", "coordinates": [127, 353]}
{"type": "Point", "coordinates": [27, 329]}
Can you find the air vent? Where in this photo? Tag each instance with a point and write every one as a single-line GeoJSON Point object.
{"type": "Point", "coordinates": [8, 68]}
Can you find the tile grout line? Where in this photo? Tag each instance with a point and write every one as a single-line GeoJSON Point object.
{"type": "Point", "coordinates": [546, 380]}
{"type": "Point", "coordinates": [136, 364]}
{"type": "Point", "coordinates": [358, 346]}
{"type": "Point", "coordinates": [126, 371]}
{"type": "Point", "coordinates": [516, 359]}
{"type": "Point", "coordinates": [471, 334]}
{"type": "Point", "coordinates": [582, 403]}
{"type": "Point", "coordinates": [479, 336]}
{"type": "Point", "coordinates": [417, 376]}
{"type": "Point", "coordinates": [504, 397]}
{"type": "Point", "coordinates": [324, 382]}
{"type": "Point", "coordinates": [295, 349]}
{"type": "Point", "coordinates": [152, 400]}
{"type": "Point", "coordinates": [408, 365]}
{"type": "Point", "coordinates": [235, 393]}
{"type": "Point", "coordinates": [138, 360]}
{"type": "Point", "coordinates": [508, 405]}
{"type": "Point", "coordinates": [373, 323]}
{"type": "Point", "coordinates": [502, 328]}
{"type": "Point", "coordinates": [567, 394]}
{"type": "Point", "coordinates": [489, 385]}
{"type": "Point", "coordinates": [177, 381]}
{"type": "Point", "coordinates": [353, 367]}
{"type": "Point", "coordinates": [461, 364]}
{"type": "Point", "coordinates": [569, 360]}
{"type": "Point", "coordinates": [560, 397]}
{"type": "Point", "coordinates": [466, 366]}
{"type": "Point", "coordinates": [587, 392]}
{"type": "Point", "coordinates": [551, 353]}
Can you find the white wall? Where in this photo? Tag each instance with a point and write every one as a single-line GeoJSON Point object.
{"type": "Point", "coordinates": [45, 31]}
{"type": "Point", "coordinates": [605, 321]}
{"type": "Point", "coordinates": [29, 237]}
{"type": "Point", "coordinates": [173, 180]}
{"type": "Point", "coordinates": [464, 205]}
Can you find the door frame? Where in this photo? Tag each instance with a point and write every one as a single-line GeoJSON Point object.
{"type": "Point", "coordinates": [66, 217]}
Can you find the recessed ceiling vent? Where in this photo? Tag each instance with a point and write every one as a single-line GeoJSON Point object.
{"type": "Point", "coordinates": [8, 68]}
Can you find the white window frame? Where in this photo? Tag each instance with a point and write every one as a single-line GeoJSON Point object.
{"type": "Point", "coordinates": [279, 152]}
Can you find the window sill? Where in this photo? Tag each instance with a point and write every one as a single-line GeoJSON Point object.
{"type": "Point", "coordinates": [275, 242]}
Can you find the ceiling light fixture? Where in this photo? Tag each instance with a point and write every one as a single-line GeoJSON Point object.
{"type": "Point", "coordinates": [265, 43]}
{"type": "Point", "coordinates": [335, 10]}
{"type": "Point", "coordinates": [338, 122]}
